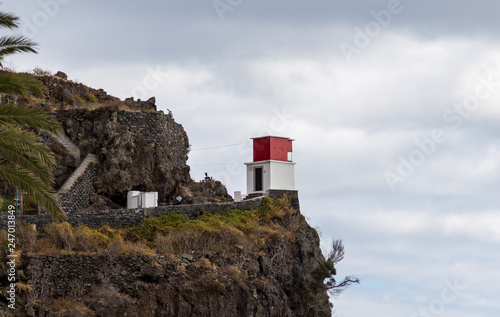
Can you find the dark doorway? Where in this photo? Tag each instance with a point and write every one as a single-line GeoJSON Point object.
{"type": "Point", "coordinates": [258, 179]}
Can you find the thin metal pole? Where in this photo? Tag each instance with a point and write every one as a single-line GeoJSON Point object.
{"type": "Point", "coordinates": [17, 194]}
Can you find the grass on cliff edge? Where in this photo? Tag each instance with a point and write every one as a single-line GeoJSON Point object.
{"type": "Point", "coordinates": [168, 234]}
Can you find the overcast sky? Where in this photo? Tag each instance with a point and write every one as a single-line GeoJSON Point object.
{"type": "Point", "coordinates": [394, 107]}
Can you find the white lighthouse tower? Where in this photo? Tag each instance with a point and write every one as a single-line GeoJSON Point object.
{"type": "Point", "coordinates": [272, 167]}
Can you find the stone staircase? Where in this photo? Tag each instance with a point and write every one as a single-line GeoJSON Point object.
{"type": "Point", "coordinates": [64, 142]}
{"type": "Point", "coordinates": [80, 170]}
{"type": "Point", "coordinates": [254, 195]}
{"type": "Point", "coordinates": [68, 145]}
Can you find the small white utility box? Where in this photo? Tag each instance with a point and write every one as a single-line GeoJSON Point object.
{"type": "Point", "coordinates": [133, 199]}
{"type": "Point", "coordinates": [149, 200]}
{"type": "Point", "coordinates": [237, 196]}
{"type": "Point", "coordinates": [137, 199]}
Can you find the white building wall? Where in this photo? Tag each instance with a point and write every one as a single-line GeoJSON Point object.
{"type": "Point", "coordinates": [282, 175]}
{"type": "Point", "coordinates": [275, 175]}
{"type": "Point", "coordinates": [250, 178]}
{"type": "Point", "coordinates": [266, 181]}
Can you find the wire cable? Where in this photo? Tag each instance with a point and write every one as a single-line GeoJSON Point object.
{"type": "Point", "coordinates": [218, 147]}
{"type": "Point", "coordinates": [220, 164]}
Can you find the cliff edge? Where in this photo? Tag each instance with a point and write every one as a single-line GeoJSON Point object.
{"type": "Point", "coordinates": [259, 262]}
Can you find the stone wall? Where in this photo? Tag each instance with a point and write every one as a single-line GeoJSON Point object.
{"type": "Point", "coordinates": [292, 194]}
{"type": "Point", "coordinates": [157, 128]}
{"type": "Point", "coordinates": [120, 217]}
{"type": "Point", "coordinates": [145, 151]}
{"type": "Point", "coordinates": [61, 273]}
{"type": "Point", "coordinates": [147, 105]}
{"type": "Point", "coordinates": [78, 197]}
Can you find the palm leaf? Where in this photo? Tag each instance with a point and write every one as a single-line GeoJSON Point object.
{"type": "Point", "coordinates": [26, 182]}
{"type": "Point", "coordinates": [16, 44]}
{"type": "Point", "coordinates": [27, 143]}
{"type": "Point", "coordinates": [8, 20]}
{"type": "Point", "coordinates": [28, 152]}
{"type": "Point", "coordinates": [20, 84]}
{"type": "Point", "coordinates": [13, 114]}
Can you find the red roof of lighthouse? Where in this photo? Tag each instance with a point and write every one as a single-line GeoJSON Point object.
{"type": "Point", "coordinates": [272, 148]}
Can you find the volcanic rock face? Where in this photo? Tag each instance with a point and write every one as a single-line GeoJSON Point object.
{"type": "Point", "coordinates": [144, 151]}
{"type": "Point", "coordinates": [268, 280]}
{"type": "Point", "coordinates": [138, 147]}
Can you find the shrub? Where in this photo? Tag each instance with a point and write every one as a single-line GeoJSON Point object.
{"type": "Point", "coordinates": [272, 209]}
{"type": "Point", "coordinates": [238, 276]}
{"type": "Point", "coordinates": [61, 235]}
{"type": "Point", "coordinates": [117, 246]}
{"type": "Point", "coordinates": [39, 71]}
{"type": "Point", "coordinates": [108, 231]}
{"type": "Point", "coordinates": [26, 237]}
{"type": "Point", "coordinates": [77, 100]}
{"type": "Point", "coordinates": [163, 244]}
{"type": "Point", "coordinates": [4, 204]}
{"type": "Point", "coordinates": [150, 227]}
{"type": "Point", "coordinates": [89, 240]}
{"type": "Point", "coordinates": [205, 264]}
{"type": "Point", "coordinates": [89, 97]}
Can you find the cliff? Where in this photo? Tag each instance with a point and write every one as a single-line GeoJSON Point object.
{"type": "Point", "coordinates": [204, 255]}
{"type": "Point", "coordinates": [144, 151]}
{"type": "Point", "coordinates": [135, 147]}
{"type": "Point", "coordinates": [258, 262]}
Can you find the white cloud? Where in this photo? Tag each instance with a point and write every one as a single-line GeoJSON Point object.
{"type": "Point", "coordinates": [484, 226]}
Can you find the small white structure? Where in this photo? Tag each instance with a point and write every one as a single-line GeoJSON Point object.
{"type": "Point", "coordinates": [137, 199]}
{"type": "Point", "coordinates": [237, 196]}
{"type": "Point", "coordinates": [272, 166]}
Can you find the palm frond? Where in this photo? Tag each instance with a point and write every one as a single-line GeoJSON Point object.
{"type": "Point", "coordinates": [20, 84]}
{"type": "Point", "coordinates": [14, 114]}
{"type": "Point", "coordinates": [27, 143]}
{"type": "Point", "coordinates": [16, 44]}
{"type": "Point", "coordinates": [8, 20]}
{"type": "Point", "coordinates": [33, 186]}
{"type": "Point", "coordinates": [23, 148]}
{"type": "Point", "coordinates": [32, 84]}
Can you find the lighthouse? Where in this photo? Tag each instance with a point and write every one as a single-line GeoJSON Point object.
{"type": "Point", "coordinates": [272, 167]}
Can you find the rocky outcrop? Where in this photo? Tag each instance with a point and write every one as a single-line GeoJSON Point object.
{"type": "Point", "coordinates": [63, 93]}
{"type": "Point", "coordinates": [144, 151]}
{"type": "Point", "coordinates": [138, 147]}
{"type": "Point", "coordinates": [272, 279]}
{"type": "Point", "coordinates": [205, 191]}
{"type": "Point", "coordinates": [148, 105]}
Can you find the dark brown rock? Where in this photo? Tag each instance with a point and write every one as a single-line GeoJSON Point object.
{"type": "Point", "coordinates": [230, 283]}
{"type": "Point", "coordinates": [61, 75]}
{"type": "Point", "coordinates": [144, 151]}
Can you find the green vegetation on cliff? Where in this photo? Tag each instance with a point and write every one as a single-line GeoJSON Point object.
{"type": "Point", "coordinates": [173, 233]}
{"type": "Point", "coordinates": [258, 262]}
